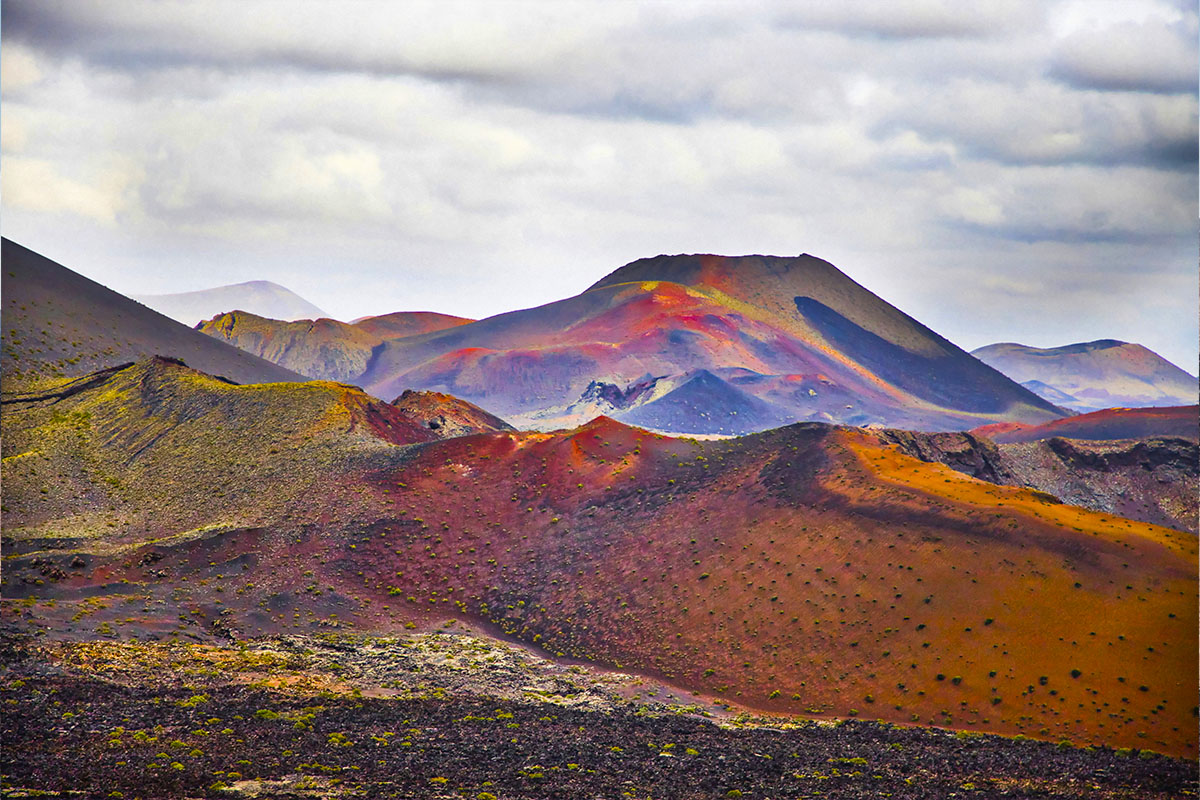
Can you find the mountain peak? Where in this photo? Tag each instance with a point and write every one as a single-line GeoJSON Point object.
{"type": "Point", "coordinates": [1066, 349]}
{"type": "Point", "coordinates": [1097, 374]}
{"type": "Point", "coordinates": [711, 269]}
{"type": "Point", "coordinates": [60, 323]}
{"type": "Point", "coordinates": [261, 297]}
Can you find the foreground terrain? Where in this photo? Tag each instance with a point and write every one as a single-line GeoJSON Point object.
{"type": "Point", "coordinates": [811, 570]}
{"type": "Point", "coordinates": [460, 715]}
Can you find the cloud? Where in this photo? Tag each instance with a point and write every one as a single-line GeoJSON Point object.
{"type": "Point", "coordinates": [19, 68]}
{"type": "Point", "coordinates": [14, 136]}
{"type": "Point", "coordinates": [916, 19]}
{"type": "Point", "coordinates": [1039, 122]}
{"type": "Point", "coordinates": [1076, 204]}
{"type": "Point", "coordinates": [1152, 56]}
{"type": "Point", "coordinates": [35, 185]}
{"type": "Point", "coordinates": [444, 41]}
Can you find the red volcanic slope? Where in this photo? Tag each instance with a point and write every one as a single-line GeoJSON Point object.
{"type": "Point", "coordinates": [447, 416]}
{"type": "Point", "coordinates": [1111, 423]}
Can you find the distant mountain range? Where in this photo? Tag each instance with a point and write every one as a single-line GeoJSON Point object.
{"type": "Point", "coordinates": [691, 343]}
{"type": "Point", "coordinates": [258, 297]}
{"type": "Point", "coordinates": [59, 323]}
{"type": "Point", "coordinates": [1093, 375]}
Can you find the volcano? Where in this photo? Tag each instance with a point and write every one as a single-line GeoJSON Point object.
{"type": "Point", "coordinates": [802, 339]}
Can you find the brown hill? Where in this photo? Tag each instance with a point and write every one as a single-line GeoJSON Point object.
{"type": "Point", "coordinates": [447, 416]}
{"type": "Point", "coordinates": [809, 570]}
{"type": "Point", "coordinates": [177, 449]}
{"type": "Point", "coordinates": [325, 349]}
{"type": "Point", "coordinates": [58, 323]}
{"type": "Point", "coordinates": [1094, 375]}
{"type": "Point", "coordinates": [1112, 423]}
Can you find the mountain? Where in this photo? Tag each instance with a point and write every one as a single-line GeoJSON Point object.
{"type": "Point", "coordinates": [795, 333]}
{"type": "Point", "coordinates": [1094, 375]}
{"type": "Point", "coordinates": [258, 297]}
{"type": "Point", "coordinates": [325, 349]}
{"type": "Point", "coordinates": [811, 570]}
{"type": "Point", "coordinates": [1111, 423]}
{"type": "Point", "coordinates": [59, 323]}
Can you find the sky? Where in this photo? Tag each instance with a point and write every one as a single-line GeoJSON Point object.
{"type": "Point", "coordinates": [1016, 170]}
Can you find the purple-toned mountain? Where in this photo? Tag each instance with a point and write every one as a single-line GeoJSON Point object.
{"type": "Point", "coordinates": [1092, 375]}
{"type": "Point", "coordinates": [779, 340]}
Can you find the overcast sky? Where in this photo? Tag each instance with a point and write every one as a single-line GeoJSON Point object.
{"type": "Point", "coordinates": [1003, 171]}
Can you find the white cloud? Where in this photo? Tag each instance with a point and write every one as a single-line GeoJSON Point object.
{"type": "Point", "coordinates": [19, 68]}
{"type": "Point", "coordinates": [14, 136]}
{"type": "Point", "coordinates": [1152, 56]}
{"type": "Point", "coordinates": [917, 19]}
{"type": "Point", "coordinates": [974, 206]}
{"type": "Point", "coordinates": [35, 185]}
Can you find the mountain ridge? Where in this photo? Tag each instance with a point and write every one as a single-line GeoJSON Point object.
{"type": "Point", "coordinates": [808, 570]}
{"type": "Point", "coordinates": [323, 348]}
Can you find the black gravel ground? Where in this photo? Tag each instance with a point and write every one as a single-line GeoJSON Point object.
{"type": "Point", "coordinates": [70, 734]}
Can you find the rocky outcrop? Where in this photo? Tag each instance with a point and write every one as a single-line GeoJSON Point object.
{"type": "Point", "coordinates": [1151, 480]}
